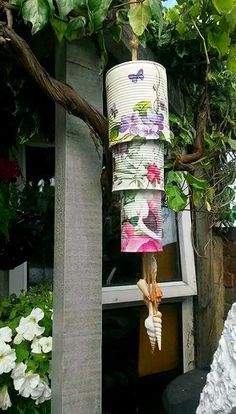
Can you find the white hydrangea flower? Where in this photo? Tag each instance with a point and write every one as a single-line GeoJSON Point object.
{"type": "Point", "coordinates": [29, 327]}
{"type": "Point", "coordinates": [18, 339]}
{"type": "Point", "coordinates": [7, 358]}
{"type": "Point", "coordinates": [24, 382]}
{"type": "Point", "coordinates": [42, 392]}
{"type": "Point", "coordinates": [5, 334]}
{"type": "Point", "coordinates": [46, 344]}
{"type": "Point", "coordinates": [36, 346]}
{"type": "Point", "coordinates": [5, 401]}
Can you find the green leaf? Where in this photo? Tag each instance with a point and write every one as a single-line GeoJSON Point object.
{"type": "Point", "coordinates": [231, 60]}
{"type": "Point", "coordinates": [116, 31]}
{"type": "Point", "coordinates": [156, 11]}
{"type": "Point", "coordinates": [114, 133]}
{"type": "Point", "coordinates": [66, 6]}
{"type": "Point", "coordinates": [139, 16]}
{"type": "Point", "coordinates": [196, 183]}
{"type": "Point", "coordinates": [232, 143]}
{"type": "Point", "coordinates": [197, 197]}
{"type": "Point", "coordinates": [175, 177]}
{"type": "Point", "coordinates": [102, 49]}
{"type": "Point", "coordinates": [142, 107]}
{"type": "Point", "coordinates": [59, 26]}
{"type": "Point", "coordinates": [37, 12]}
{"type": "Point", "coordinates": [75, 29]}
{"type": "Point", "coordinates": [176, 199]}
{"type": "Point", "coordinates": [219, 39]}
{"type": "Point", "coordinates": [98, 12]}
{"type": "Point", "coordinates": [223, 6]}
{"type": "Point", "coordinates": [22, 351]}
{"type": "Point", "coordinates": [231, 19]}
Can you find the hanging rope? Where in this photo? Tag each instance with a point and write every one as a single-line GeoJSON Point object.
{"type": "Point", "coordinates": [134, 47]}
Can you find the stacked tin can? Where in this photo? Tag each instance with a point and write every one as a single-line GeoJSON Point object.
{"type": "Point", "coordinates": [137, 103]}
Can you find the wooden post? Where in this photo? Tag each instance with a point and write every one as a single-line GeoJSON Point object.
{"type": "Point", "coordinates": [209, 310]}
{"type": "Point", "coordinates": [77, 325]}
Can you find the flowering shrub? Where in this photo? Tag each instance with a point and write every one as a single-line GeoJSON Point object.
{"type": "Point", "coordinates": [25, 352]}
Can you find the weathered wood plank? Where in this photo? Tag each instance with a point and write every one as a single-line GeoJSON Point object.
{"type": "Point", "coordinates": [77, 330]}
{"type": "Point", "coordinates": [209, 310]}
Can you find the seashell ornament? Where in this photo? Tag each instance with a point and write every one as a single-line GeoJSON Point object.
{"type": "Point", "coordinates": [157, 322]}
{"type": "Point", "coordinates": [143, 286]}
{"type": "Point", "coordinates": [149, 325]}
{"type": "Point", "coordinates": [152, 297]}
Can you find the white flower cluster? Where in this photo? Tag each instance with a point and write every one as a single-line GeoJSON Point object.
{"type": "Point", "coordinates": [27, 383]}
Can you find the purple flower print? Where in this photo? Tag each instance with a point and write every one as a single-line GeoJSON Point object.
{"type": "Point", "coordinates": [130, 123]}
{"type": "Point", "coordinates": [152, 124]}
{"type": "Point", "coordinates": [122, 148]}
{"type": "Point", "coordinates": [148, 126]}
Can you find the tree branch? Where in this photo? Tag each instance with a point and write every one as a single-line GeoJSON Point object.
{"type": "Point", "coordinates": [200, 131]}
{"type": "Point", "coordinates": [60, 92]}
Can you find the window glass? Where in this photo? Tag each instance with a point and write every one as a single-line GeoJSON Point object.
{"type": "Point", "coordinates": [40, 166]}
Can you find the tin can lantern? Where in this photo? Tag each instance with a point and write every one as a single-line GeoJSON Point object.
{"type": "Point", "coordinates": [137, 103]}
{"type": "Point", "coordinates": [138, 165]}
{"type": "Point", "coordinates": [141, 224]}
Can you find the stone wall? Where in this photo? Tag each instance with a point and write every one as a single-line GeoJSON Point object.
{"type": "Point", "coordinates": [229, 244]}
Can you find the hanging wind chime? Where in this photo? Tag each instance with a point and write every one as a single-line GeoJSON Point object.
{"type": "Point", "coordinates": [137, 105]}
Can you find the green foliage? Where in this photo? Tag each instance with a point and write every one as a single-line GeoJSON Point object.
{"type": "Point", "coordinates": [84, 17]}
{"type": "Point", "coordinates": [184, 38]}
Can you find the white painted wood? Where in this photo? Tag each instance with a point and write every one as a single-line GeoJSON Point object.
{"type": "Point", "coordinates": [77, 322]}
{"type": "Point", "coordinates": [18, 279]}
{"type": "Point", "coordinates": [186, 250]}
{"type": "Point", "coordinates": [131, 293]}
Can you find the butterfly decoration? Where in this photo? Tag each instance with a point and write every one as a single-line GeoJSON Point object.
{"type": "Point", "coordinates": [134, 77]}
{"type": "Point", "coordinates": [114, 110]}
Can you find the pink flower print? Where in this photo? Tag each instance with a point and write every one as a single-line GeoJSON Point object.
{"type": "Point", "coordinates": [153, 173]}
{"type": "Point", "coordinates": [150, 245]}
{"type": "Point", "coordinates": [140, 244]}
{"type": "Point", "coordinates": [127, 233]}
{"type": "Point", "coordinates": [152, 222]}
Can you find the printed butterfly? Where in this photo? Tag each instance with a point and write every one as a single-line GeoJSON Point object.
{"type": "Point", "coordinates": [135, 77]}
{"type": "Point", "coordinates": [114, 110]}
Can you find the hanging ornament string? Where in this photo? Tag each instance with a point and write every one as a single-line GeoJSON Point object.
{"type": "Point", "coordinates": [134, 47]}
{"type": "Point", "coordinates": [134, 40]}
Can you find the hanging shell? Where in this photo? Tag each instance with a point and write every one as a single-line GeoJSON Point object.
{"type": "Point", "coordinates": [142, 285]}
{"type": "Point", "coordinates": [149, 325]}
{"type": "Point", "coordinates": [157, 322]}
